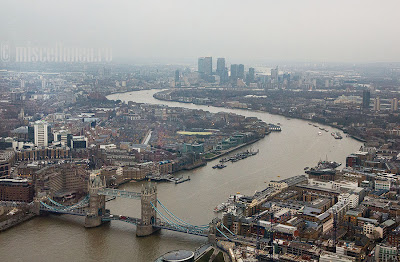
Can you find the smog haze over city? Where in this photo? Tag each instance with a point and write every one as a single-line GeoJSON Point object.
{"type": "Point", "coordinates": [177, 31]}
{"type": "Point", "coordinates": [200, 131]}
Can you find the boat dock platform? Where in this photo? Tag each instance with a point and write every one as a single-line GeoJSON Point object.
{"type": "Point", "coordinates": [167, 178]}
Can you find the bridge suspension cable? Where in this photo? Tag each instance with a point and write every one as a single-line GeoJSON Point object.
{"type": "Point", "coordinates": [178, 219]}
{"type": "Point", "coordinates": [54, 208]}
{"type": "Point", "coordinates": [80, 203]}
{"type": "Point", "coordinates": [61, 207]}
{"type": "Point", "coordinates": [223, 234]}
{"type": "Point", "coordinates": [170, 225]}
{"type": "Point", "coordinates": [161, 214]}
{"type": "Point", "coordinates": [54, 202]}
{"type": "Point", "coordinates": [228, 229]}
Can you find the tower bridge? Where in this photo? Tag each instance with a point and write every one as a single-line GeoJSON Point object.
{"type": "Point", "coordinates": [154, 215]}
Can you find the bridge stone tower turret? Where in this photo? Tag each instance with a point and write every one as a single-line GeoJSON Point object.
{"type": "Point", "coordinates": [149, 215]}
{"type": "Point", "coordinates": [97, 202]}
{"type": "Point", "coordinates": [212, 231]}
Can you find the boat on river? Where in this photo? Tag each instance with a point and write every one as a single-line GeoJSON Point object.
{"type": "Point", "coordinates": [219, 166]}
{"type": "Point", "coordinates": [336, 135]}
{"type": "Point", "coordinates": [221, 207]}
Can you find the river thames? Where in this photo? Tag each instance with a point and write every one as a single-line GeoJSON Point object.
{"type": "Point", "coordinates": [283, 154]}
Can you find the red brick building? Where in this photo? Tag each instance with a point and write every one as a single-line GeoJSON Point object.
{"type": "Point", "coordinates": [16, 190]}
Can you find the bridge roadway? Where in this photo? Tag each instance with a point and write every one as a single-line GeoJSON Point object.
{"type": "Point", "coordinates": [159, 224]}
{"type": "Point", "coordinates": [183, 229]}
{"type": "Point", "coordinates": [131, 220]}
{"type": "Point", "coordinates": [76, 212]}
{"type": "Point", "coordinates": [250, 241]}
{"type": "Point", "coordinates": [119, 193]}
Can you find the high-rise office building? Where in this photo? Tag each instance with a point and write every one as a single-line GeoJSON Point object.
{"type": "Point", "coordinates": [204, 65]}
{"type": "Point", "coordinates": [64, 137]}
{"type": "Point", "coordinates": [251, 75]}
{"type": "Point", "coordinates": [224, 77]}
{"type": "Point", "coordinates": [394, 105]}
{"type": "Point", "coordinates": [241, 71]}
{"type": "Point", "coordinates": [41, 133]}
{"type": "Point", "coordinates": [366, 99]}
{"type": "Point", "coordinates": [176, 75]}
{"type": "Point", "coordinates": [234, 72]}
{"type": "Point", "coordinates": [177, 78]}
{"type": "Point", "coordinates": [200, 65]}
{"type": "Point", "coordinates": [275, 74]}
{"type": "Point", "coordinates": [220, 66]}
{"type": "Point", "coordinates": [208, 65]}
{"type": "Point", "coordinates": [377, 104]}
{"type": "Point", "coordinates": [79, 142]}
{"type": "Point", "coordinates": [286, 80]}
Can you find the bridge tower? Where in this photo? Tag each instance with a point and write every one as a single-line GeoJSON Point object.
{"type": "Point", "coordinates": [212, 231]}
{"type": "Point", "coordinates": [97, 202]}
{"type": "Point", "coordinates": [149, 215]}
{"type": "Point", "coordinates": [36, 206]}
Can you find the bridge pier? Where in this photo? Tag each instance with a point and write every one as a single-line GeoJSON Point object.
{"type": "Point", "coordinates": [92, 221]}
{"type": "Point", "coordinates": [145, 230]}
{"type": "Point", "coordinates": [36, 206]}
{"type": "Point", "coordinates": [97, 203]}
{"type": "Point", "coordinates": [149, 214]}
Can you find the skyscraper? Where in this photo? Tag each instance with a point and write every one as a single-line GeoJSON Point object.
{"type": "Point", "coordinates": [177, 82]}
{"type": "Point", "coordinates": [234, 72]}
{"type": "Point", "coordinates": [204, 65]}
{"type": "Point", "coordinates": [286, 80]}
{"type": "Point", "coordinates": [237, 71]}
{"type": "Point", "coordinates": [377, 104]}
{"type": "Point", "coordinates": [251, 75]}
{"type": "Point", "coordinates": [176, 75]}
{"type": "Point", "coordinates": [224, 76]}
{"type": "Point", "coordinates": [220, 65]}
{"type": "Point", "coordinates": [241, 71]}
{"type": "Point", "coordinates": [200, 65]}
{"type": "Point", "coordinates": [41, 133]}
{"type": "Point", "coordinates": [208, 65]}
{"type": "Point", "coordinates": [366, 99]}
{"type": "Point", "coordinates": [394, 105]}
{"type": "Point", "coordinates": [275, 74]}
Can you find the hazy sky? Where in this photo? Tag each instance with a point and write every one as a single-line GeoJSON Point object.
{"type": "Point", "coordinates": [240, 30]}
